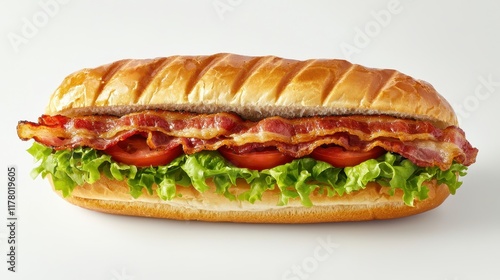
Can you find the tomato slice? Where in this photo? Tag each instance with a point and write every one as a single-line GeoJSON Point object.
{"type": "Point", "coordinates": [256, 160]}
{"type": "Point", "coordinates": [340, 157]}
{"type": "Point", "coordinates": [135, 151]}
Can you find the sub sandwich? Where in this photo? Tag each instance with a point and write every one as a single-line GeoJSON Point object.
{"type": "Point", "coordinates": [235, 138]}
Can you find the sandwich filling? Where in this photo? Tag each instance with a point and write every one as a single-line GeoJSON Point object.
{"type": "Point", "coordinates": [333, 155]}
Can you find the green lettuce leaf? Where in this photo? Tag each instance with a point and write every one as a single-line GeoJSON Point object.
{"type": "Point", "coordinates": [295, 180]}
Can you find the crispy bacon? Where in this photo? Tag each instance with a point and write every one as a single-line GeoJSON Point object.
{"type": "Point", "coordinates": [419, 141]}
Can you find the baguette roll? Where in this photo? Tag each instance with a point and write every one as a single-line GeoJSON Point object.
{"type": "Point", "coordinates": [256, 88]}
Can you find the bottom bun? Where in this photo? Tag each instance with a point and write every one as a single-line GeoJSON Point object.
{"type": "Point", "coordinates": [372, 203]}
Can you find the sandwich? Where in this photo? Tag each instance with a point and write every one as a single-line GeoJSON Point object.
{"type": "Point", "coordinates": [232, 138]}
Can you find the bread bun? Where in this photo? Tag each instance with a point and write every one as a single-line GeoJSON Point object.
{"type": "Point", "coordinates": [253, 87]}
{"type": "Point", "coordinates": [372, 203]}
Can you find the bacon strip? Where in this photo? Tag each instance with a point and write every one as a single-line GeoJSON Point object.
{"type": "Point", "coordinates": [419, 141]}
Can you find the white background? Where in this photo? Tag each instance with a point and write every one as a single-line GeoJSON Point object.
{"type": "Point", "coordinates": [454, 45]}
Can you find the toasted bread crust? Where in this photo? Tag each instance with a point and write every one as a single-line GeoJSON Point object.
{"type": "Point", "coordinates": [253, 87]}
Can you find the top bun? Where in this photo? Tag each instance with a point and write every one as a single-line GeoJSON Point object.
{"type": "Point", "coordinates": [253, 87]}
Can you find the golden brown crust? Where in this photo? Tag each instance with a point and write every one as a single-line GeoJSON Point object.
{"type": "Point", "coordinates": [370, 204]}
{"type": "Point", "coordinates": [253, 87]}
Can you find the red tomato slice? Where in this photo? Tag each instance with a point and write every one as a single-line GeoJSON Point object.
{"type": "Point", "coordinates": [340, 157]}
{"type": "Point", "coordinates": [258, 160]}
{"type": "Point", "coordinates": [135, 151]}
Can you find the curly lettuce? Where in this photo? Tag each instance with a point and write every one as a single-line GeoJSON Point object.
{"type": "Point", "coordinates": [295, 180]}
